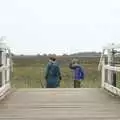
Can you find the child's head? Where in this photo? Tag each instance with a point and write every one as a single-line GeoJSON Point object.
{"type": "Point", "coordinates": [75, 61]}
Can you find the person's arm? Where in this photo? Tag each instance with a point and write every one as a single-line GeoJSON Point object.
{"type": "Point", "coordinates": [59, 73]}
{"type": "Point", "coordinates": [46, 72]}
{"type": "Point", "coordinates": [73, 66]}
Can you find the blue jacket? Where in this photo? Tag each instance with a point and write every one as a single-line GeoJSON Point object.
{"type": "Point", "coordinates": [77, 71]}
{"type": "Point", "coordinates": [52, 74]}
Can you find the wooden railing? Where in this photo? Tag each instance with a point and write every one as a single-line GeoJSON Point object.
{"type": "Point", "coordinates": [5, 81]}
{"type": "Point", "coordinates": [111, 78]}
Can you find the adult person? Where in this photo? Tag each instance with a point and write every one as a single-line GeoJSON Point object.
{"type": "Point", "coordinates": [52, 74]}
{"type": "Point", "coordinates": [78, 73]}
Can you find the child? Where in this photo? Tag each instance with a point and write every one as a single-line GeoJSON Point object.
{"type": "Point", "coordinates": [78, 72]}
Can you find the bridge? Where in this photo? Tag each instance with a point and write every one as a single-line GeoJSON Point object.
{"type": "Point", "coordinates": [61, 103]}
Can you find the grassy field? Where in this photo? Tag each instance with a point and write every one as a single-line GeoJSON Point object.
{"type": "Point", "coordinates": [29, 74]}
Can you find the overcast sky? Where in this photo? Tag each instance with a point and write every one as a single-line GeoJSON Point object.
{"type": "Point", "coordinates": [59, 26]}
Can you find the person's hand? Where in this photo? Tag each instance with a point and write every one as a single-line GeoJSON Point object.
{"type": "Point", "coordinates": [60, 78]}
{"type": "Point", "coordinates": [70, 65]}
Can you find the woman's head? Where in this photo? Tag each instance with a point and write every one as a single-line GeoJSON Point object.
{"type": "Point", "coordinates": [53, 58]}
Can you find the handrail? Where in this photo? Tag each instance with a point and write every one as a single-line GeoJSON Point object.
{"type": "Point", "coordinates": [108, 85]}
{"type": "Point", "coordinates": [113, 68]}
{"type": "Point", "coordinates": [112, 89]}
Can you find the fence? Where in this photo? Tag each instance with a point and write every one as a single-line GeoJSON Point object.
{"type": "Point", "coordinates": [5, 85]}
{"type": "Point", "coordinates": [111, 78]}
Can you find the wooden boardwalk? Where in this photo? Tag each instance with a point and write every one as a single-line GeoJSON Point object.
{"type": "Point", "coordinates": [60, 104]}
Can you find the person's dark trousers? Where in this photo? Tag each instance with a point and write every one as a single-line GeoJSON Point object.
{"type": "Point", "coordinates": [77, 83]}
{"type": "Point", "coordinates": [50, 86]}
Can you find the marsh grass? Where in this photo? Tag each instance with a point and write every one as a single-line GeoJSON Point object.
{"type": "Point", "coordinates": [32, 76]}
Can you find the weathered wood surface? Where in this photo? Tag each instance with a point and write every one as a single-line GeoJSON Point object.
{"type": "Point", "coordinates": [60, 104]}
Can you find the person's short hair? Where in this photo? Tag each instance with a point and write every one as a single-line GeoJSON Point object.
{"type": "Point", "coordinates": [52, 58]}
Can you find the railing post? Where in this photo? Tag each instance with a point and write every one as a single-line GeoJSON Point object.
{"type": "Point", "coordinates": [8, 71]}
{"type": "Point", "coordinates": [109, 79]}
{"type": "Point", "coordinates": [113, 72]}
{"type": "Point", "coordinates": [0, 66]}
{"type": "Point", "coordinates": [103, 73]}
{"type": "Point", "coordinates": [3, 71]}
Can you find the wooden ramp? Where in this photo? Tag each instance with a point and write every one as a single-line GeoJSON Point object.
{"type": "Point", "coordinates": [60, 104]}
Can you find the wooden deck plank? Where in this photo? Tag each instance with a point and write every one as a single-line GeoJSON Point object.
{"type": "Point", "coordinates": [59, 104]}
